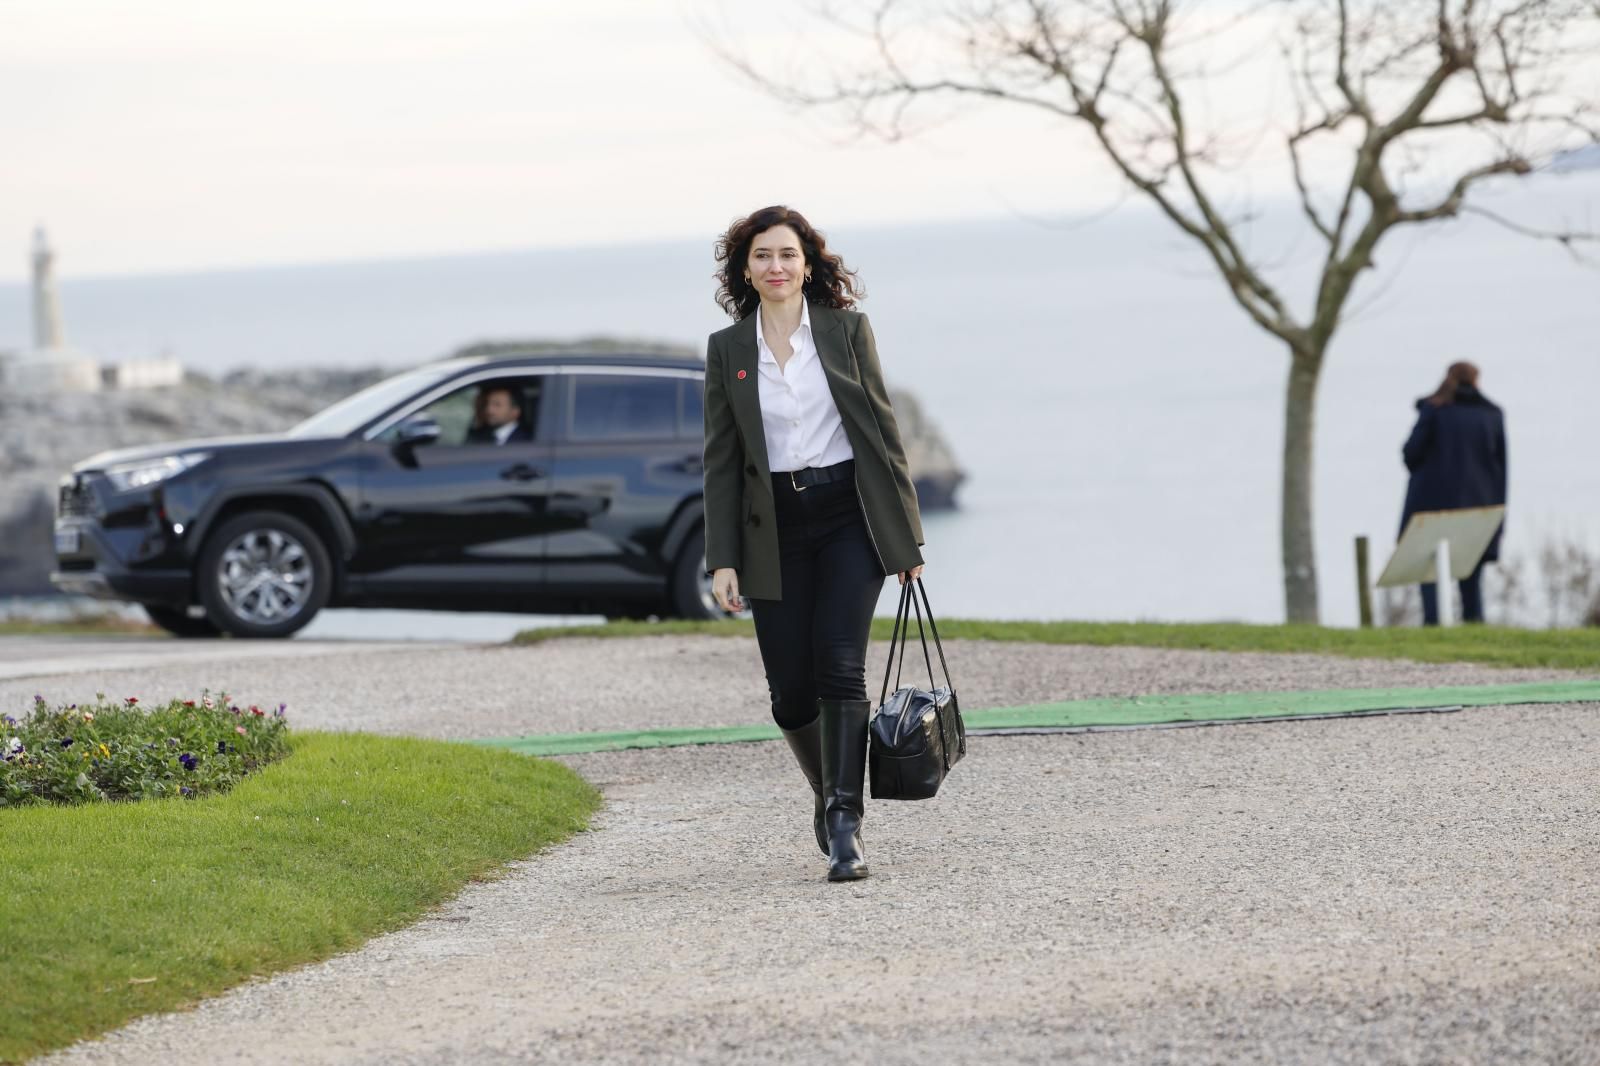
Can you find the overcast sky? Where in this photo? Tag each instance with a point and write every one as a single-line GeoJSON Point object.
{"type": "Point", "coordinates": [173, 135]}
{"type": "Point", "coordinates": [186, 134]}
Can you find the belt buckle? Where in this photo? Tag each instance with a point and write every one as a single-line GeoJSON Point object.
{"type": "Point", "coordinates": [797, 488]}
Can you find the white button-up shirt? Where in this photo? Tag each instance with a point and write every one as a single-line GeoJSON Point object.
{"type": "Point", "coordinates": [798, 416]}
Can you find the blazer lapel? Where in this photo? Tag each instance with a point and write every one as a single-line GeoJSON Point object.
{"type": "Point", "coordinates": [844, 380]}
{"type": "Point", "coordinates": [746, 393]}
{"type": "Point", "coordinates": [828, 336]}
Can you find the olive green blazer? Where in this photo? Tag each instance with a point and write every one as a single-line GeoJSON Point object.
{"type": "Point", "coordinates": [741, 519]}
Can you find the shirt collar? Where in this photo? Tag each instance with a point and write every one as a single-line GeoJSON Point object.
{"type": "Point", "coordinates": [764, 351]}
{"type": "Point", "coordinates": [502, 433]}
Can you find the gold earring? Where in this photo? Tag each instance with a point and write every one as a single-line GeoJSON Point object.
{"type": "Point", "coordinates": [808, 277]}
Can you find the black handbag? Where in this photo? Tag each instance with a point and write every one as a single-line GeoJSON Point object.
{"type": "Point", "coordinates": [915, 735]}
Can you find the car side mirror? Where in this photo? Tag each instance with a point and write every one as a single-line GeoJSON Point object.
{"type": "Point", "coordinates": [417, 431]}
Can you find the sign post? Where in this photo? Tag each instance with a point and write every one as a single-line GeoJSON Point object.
{"type": "Point", "coordinates": [1442, 547]}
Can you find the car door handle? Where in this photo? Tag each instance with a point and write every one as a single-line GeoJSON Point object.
{"type": "Point", "coordinates": [521, 472]}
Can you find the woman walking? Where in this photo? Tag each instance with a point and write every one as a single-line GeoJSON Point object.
{"type": "Point", "coordinates": [1457, 457]}
{"type": "Point", "coordinates": [808, 499]}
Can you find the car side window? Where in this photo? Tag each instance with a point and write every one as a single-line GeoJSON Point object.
{"type": "Point", "coordinates": [469, 415]}
{"type": "Point", "coordinates": [691, 414]}
{"type": "Point", "coordinates": [620, 407]}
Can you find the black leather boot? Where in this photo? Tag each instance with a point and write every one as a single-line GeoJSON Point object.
{"type": "Point", "coordinates": [806, 743]}
{"type": "Point", "coordinates": [844, 771]}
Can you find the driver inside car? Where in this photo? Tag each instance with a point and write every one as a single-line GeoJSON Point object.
{"type": "Point", "coordinates": [497, 416]}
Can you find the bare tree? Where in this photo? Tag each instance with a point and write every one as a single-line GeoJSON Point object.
{"type": "Point", "coordinates": [1571, 578]}
{"type": "Point", "coordinates": [1384, 90]}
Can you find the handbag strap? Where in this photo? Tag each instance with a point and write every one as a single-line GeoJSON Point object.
{"type": "Point", "coordinates": [894, 635]}
{"type": "Point", "coordinates": [936, 641]}
{"type": "Point", "coordinates": [902, 634]}
{"type": "Point", "coordinates": [932, 681]}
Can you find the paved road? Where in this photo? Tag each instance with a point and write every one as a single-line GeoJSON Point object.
{"type": "Point", "coordinates": [1407, 889]}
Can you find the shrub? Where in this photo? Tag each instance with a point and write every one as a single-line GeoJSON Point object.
{"type": "Point", "coordinates": [84, 753]}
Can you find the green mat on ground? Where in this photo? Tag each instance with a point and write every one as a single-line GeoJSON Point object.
{"type": "Point", "coordinates": [1138, 710]}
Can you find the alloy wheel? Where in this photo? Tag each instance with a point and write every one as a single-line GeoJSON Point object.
{"type": "Point", "coordinates": [265, 576]}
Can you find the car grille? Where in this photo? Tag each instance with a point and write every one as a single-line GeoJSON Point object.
{"type": "Point", "coordinates": [75, 500]}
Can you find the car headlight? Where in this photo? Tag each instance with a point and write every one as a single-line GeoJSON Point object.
{"type": "Point", "coordinates": [145, 472]}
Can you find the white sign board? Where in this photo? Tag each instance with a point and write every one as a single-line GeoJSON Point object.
{"type": "Point", "coordinates": [1468, 531]}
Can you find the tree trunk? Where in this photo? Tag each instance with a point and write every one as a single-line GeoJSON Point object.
{"type": "Point", "coordinates": [1299, 549]}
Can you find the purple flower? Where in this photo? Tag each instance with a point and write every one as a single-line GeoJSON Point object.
{"type": "Point", "coordinates": [235, 710]}
{"type": "Point", "coordinates": [279, 712]}
{"type": "Point", "coordinates": [188, 760]}
{"type": "Point", "coordinates": [10, 720]}
{"type": "Point", "coordinates": [185, 790]}
{"type": "Point", "coordinates": [222, 747]}
{"type": "Point", "coordinates": [172, 742]}
{"type": "Point", "coordinates": [66, 742]}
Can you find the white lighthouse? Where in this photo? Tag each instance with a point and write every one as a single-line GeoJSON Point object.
{"type": "Point", "coordinates": [46, 305]}
{"type": "Point", "coordinates": [51, 365]}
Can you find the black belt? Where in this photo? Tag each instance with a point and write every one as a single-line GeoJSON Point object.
{"type": "Point", "coordinates": [803, 479]}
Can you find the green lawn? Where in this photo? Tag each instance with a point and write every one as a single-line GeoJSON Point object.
{"type": "Point", "coordinates": [1570, 649]}
{"type": "Point", "coordinates": [113, 910]}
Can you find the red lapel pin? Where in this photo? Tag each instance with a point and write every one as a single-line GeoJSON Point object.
{"type": "Point", "coordinates": [741, 375]}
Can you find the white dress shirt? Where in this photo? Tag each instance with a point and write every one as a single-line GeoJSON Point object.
{"type": "Point", "coordinates": [798, 416]}
{"type": "Point", "coordinates": [502, 433]}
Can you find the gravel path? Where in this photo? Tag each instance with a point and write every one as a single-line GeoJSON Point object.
{"type": "Point", "coordinates": [1404, 889]}
{"type": "Point", "coordinates": [572, 684]}
{"type": "Point", "coordinates": [44, 656]}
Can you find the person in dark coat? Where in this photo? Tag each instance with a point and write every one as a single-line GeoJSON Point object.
{"type": "Point", "coordinates": [1457, 457]}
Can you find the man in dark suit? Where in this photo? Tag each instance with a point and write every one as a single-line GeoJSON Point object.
{"type": "Point", "coordinates": [499, 416]}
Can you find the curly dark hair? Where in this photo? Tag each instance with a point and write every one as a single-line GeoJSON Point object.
{"type": "Point", "coordinates": [832, 284]}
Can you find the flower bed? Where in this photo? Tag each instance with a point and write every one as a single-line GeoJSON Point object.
{"type": "Point", "coordinates": [85, 753]}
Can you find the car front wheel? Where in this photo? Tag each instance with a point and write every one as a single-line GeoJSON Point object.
{"type": "Point", "coordinates": [264, 574]}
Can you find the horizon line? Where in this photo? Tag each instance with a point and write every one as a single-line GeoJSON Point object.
{"type": "Point", "coordinates": [1082, 216]}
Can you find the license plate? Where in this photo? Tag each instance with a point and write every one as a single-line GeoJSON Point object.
{"type": "Point", "coordinates": [68, 541]}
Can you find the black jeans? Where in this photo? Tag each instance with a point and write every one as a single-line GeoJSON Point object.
{"type": "Point", "coordinates": [1471, 598]}
{"type": "Point", "coordinates": [814, 640]}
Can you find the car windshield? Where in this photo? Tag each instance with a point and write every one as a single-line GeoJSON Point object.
{"type": "Point", "coordinates": [355, 411]}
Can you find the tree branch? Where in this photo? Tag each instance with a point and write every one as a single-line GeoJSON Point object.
{"type": "Point", "coordinates": [1451, 204]}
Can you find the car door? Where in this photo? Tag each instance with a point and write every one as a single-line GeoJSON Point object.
{"type": "Point", "coordinates": [463, 520]}
{"type": "Point", "coordinates": [624, 465]}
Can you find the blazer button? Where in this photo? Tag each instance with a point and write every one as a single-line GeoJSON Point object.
{"type": "Point", "coordinates": [750, 468]}
{"type": "Point", "coordinates": [755, 520]}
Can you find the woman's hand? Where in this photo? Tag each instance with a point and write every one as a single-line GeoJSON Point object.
{"type": "Point", "coordinates": [912, 574]}
{"type": "Point", "coordinates": [725, 587]}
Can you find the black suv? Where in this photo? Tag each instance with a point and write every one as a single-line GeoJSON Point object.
{"type": "Point", "coordinates": [396, 497]}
